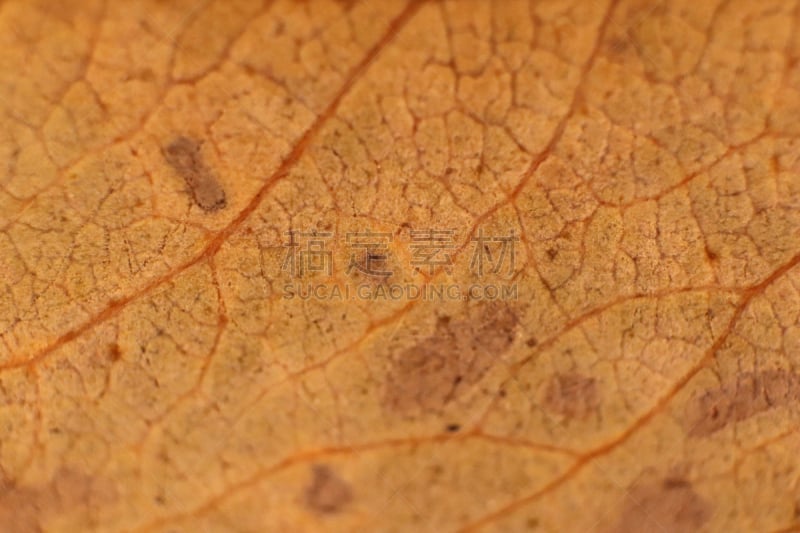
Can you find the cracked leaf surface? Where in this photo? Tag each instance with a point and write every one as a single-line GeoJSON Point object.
{"type": "Point", "coordinates": [155, 377]}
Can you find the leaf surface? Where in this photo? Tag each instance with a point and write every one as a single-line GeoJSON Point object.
{"type": "Point", "coordinates": [156, 374]}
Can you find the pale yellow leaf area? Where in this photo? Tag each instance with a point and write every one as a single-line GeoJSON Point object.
{"type": "Point", "coordinates": [155, 377]}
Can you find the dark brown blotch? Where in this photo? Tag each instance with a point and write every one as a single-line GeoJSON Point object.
{"type": "Point", "coordinates": [327, 493]}
{"type": "Point", "coordinates": [571, 395]}
{"type": "Point", "coordinates": [669, 505]}
{"type": "Point", "coordinates": [114, 352]}
{"type": "Point", "coordinates": [439, 368]}
{"type": "Point", "coordinates": [183, 154]}
{"type": "Point", "coordinates": [747, 395]}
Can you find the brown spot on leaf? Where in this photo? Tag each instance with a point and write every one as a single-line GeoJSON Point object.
{"type": "Point", "coordinates": [442, 366]}
{"type": "Point", "coordinates": [22, 508]}
{"type": "Point", "coordinates": [114, 352]}
{"type": "Point", "coordinates": [327, 493]}
{"type": "Point", "coordinates": [669, 505]}
{"type": "Point", "coordinates": [618, 46]}
{"type": "Point", "coordinates": [184, 155]}
{"type": "Point", "coordinates": [749, 394]}
{"type": "Point", "coordinates": [571, 395]}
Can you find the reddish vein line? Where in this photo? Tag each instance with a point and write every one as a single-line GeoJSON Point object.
{"type": "Point", "coordinates": [642, 421]}
{"type": "Point", "coordinates": [115, 306]}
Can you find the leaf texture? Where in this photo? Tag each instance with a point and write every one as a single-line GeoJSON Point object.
{"type": "Point", "coordinates": [643, 156]}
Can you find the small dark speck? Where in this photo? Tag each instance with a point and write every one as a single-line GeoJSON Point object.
{"type": "Point", "coordinates": [673, 483]}
{"type": "Point", "coordinates": [114, 353]}
{"type": "Point", "coordinates": [452, 428]}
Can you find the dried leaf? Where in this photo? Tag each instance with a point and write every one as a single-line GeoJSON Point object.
{"type": "Point", "coordinates": [399, 266]}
